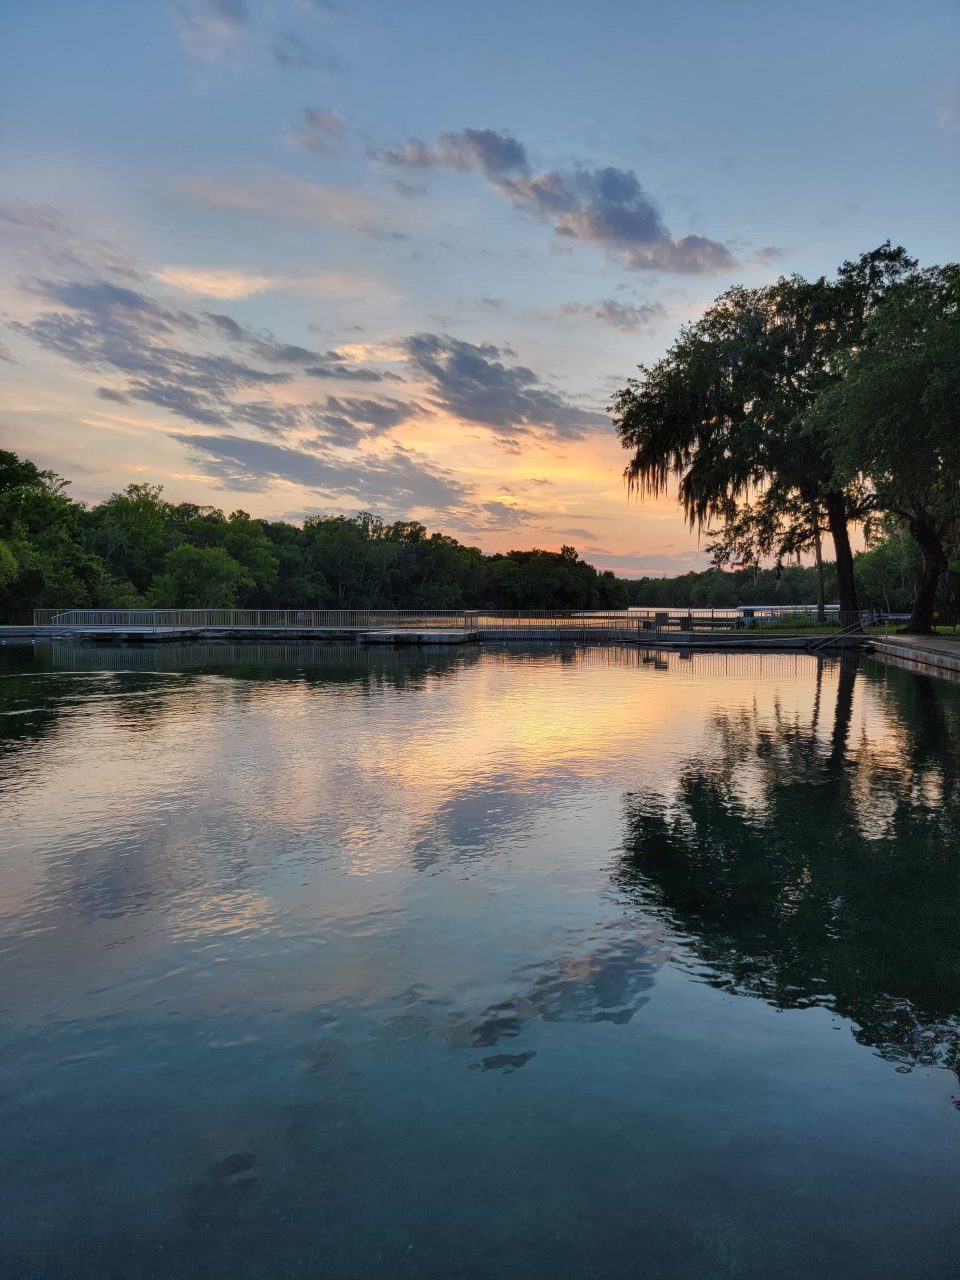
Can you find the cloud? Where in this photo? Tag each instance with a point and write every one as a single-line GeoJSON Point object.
{"type": "Point", "coordinates": [767, 256]}
{"type": "Point", "coordinates": [333, 368]}
{"type": "Point", "coordinates": [112, 305]}
{"type": "Point", "coordinates": [332, 363]}
{"type": "Point", "coordinates": [164, 356]}
{"type": "Point", "coordinates": [234, 11]}
{"type": "Point", "coordinates": [690, 255]}
{"type": "Point", "coordinates": [208, 368]}
{"type": "Point", "coordinates": [378, 415]}
{"type": "Point", "coordinates": [210, 29]}
{"type": "Point", "coordinates": [294, 54]}
{"type": "Point", "coordinates": [33, 218]}
{"type": "Point", "coordinates": [623, 316]}
{"type": "Point", "coordinates": [229, 283]}
{"type": "Point", "coordinates": [215, 31]}
{"type": "Point", "coordinates": [608, 207]}
{"type": "Point", "coordinates": [665, 563]}
{"type": "Point", "coordinates": [41, 231]}
{"type": "Point", "coordinates": [204, 407]}
{"type": "Point", "coordinates": [474, 383]}
{"type": "Point", "coordinates": [214, 282]}
{"type": "Point", "coordinates": [494, 154]}
{"type": "Point", "coordinates": [605, 206]}
{"type": "Point", "coordinates": [410, 190]}
{"type": "Point", "coordinates": [497, 155]}
{"type": "Point", "coordinates": [400, 480]}
{"type": "Point", "coordinates": [572, 531]}
{"type": "Point", "coordinates": [321, 132]}
{"type": "Point", "coordinates": [341, 421]}
{"type": "Point", "coordinates": [292, 200]}
{"type": "Point", "coordinates": [504, 515]}
{"type": "Point", "coordinates": [601, 206]}
{"type": "Point", "coordinates": [412, 154]}
{"type": "Point", "coordinates": [334, 284]}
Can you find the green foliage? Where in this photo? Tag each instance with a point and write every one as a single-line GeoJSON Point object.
{"type": "Point", "coordinates": [725, 589]}
{"type": "Point", "coordinates": [886, 576]}
{"type": "Point", "coordinates": [136, 548]}
{"type": "Point", "coordinates": [723, 413]}
{"type": "Point", "coordinates": [133, 531]}
{"type": "Point", "coordinates": [199, 578]}
{"type": "Point", "coordinates": [887, 573]}
{"type": "Point", "coordinates": [8, 567]}
{"type": "Point", "coordinates": [43, 532]}
{"type": "Point", "coordinates": [246, 540]}
{"type": "Point", "coordinates": [895, 418]}
{"type": "Point", "coordinates": [551, 580]}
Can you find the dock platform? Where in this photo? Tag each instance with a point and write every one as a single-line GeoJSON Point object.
{"type": "Point", "coordinates": [408, 635]}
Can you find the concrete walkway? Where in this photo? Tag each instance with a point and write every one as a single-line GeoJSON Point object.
{"type": "Point", "coordinates": [938, 652]}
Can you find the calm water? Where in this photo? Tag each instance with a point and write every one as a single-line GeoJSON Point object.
{"type": "Point", "coordinates": [552, 964]}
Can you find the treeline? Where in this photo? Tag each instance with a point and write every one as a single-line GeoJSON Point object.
{"type": "Point", "coordinates": [886, 578]}
{"type": "Point", "coordinates": [137, 549]}
{"type": "Point", "coordinates": [727, 588]}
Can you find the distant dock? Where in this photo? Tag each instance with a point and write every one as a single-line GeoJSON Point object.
{"type": "Point", "coordinates": [687, 629]}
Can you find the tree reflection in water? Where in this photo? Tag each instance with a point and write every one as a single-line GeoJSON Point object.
{"type": "Point", "coordinates": [804, 865]}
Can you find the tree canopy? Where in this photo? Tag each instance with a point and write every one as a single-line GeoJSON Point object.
{"type": "Point", "coordinates": [759, 413]}
{"type": "Point", "coordinates": [136, 548]}
{"type": "Point", "coordinates": [894, 418]}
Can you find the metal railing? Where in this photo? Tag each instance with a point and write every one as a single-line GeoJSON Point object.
{"type": "Point", "coordinates": [748, 619]}
{"type": "Point", "coordinates": [250, 619]}
{"type": "Point", "coordinates": [855, 628]}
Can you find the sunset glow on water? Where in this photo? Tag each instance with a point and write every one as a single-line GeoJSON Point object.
{"type": "Point", "coordinates": [477, 963]}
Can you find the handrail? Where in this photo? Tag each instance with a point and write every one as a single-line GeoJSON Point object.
{"type": "Point", "coordinates": [850, 629]}
{"type": "Point", "coordinates": [649, 620]}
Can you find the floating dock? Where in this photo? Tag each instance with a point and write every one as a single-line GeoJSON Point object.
{"type": "Point", "coordinates": [501, 631]}
{"type": "Point", "coordinates": [407, 635]}
{"type": "Point", "coordinates": [685, 629]}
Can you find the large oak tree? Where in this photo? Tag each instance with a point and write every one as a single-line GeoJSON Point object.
{"type": "Point", "coordinates": [725, 413]}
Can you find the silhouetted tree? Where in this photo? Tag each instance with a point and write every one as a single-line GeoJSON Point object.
{"type": "Point", "coordinates": [724, 411]}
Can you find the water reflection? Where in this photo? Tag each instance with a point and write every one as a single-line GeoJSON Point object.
{"type": "Point", "coordinates": [327, 938]}
{"type": "Point", "coordinates": [805, 864]}
{"type": "Point", "coordinates": [325, 661]}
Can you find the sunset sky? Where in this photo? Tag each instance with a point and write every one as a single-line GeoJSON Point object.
{"type": "Point", "coordinates": [299, 256]}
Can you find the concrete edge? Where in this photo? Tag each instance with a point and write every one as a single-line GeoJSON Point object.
{"type": "Point", "coordinates": [918, 656]}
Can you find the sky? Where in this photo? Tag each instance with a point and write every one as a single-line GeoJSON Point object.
{"type": "Point", "coordinates": [319, 256]}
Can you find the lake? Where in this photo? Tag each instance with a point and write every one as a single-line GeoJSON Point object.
{"type": "Point", "coordinates": [320, 962]}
